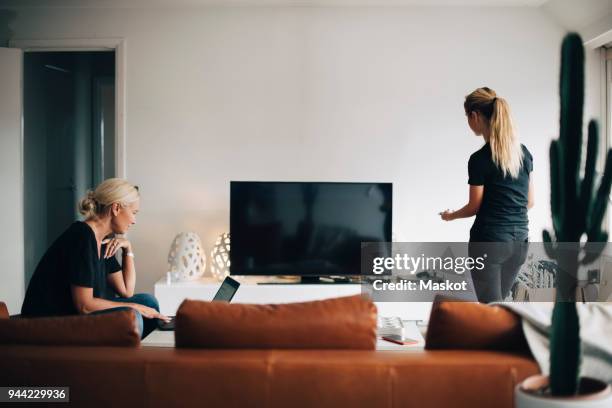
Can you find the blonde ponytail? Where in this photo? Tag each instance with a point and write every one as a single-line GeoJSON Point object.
{"type": "Point", "coordinates": [110, 191]}
{"type": "Point", "coordinates": [87, 205]}
{"type": "Point", "coordinates": [506, 151]}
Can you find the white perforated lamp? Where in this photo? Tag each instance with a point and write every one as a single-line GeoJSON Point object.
{"type": "Point", "coordinates": [219, 257]}
{"type": "Point", "coordinates": [186, 259]}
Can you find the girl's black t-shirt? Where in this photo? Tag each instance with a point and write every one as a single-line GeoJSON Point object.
{"type": "Point", "coordinates": [504, 202]}
{"type": "Point", "coordinates": [71, 260]}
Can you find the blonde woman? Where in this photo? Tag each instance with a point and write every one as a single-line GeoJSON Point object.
{"type": "Point", "coordinates": [79, 273]}
{"type": "Point", "coordinates": [500, 194]}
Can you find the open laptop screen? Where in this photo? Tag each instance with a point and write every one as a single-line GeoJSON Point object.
{"type": "Point", "coordinates": [227, 290]}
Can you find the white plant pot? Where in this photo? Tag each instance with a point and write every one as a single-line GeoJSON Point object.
{"type": "Point", "coordinates": [596, 394]}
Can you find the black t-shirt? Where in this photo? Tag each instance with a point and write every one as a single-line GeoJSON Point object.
{"type": "Point", "coordinates": [504, 202]}
{"type": "Point", "coordinates": [71, 260]}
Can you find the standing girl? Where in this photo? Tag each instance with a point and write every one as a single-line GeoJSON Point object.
{"type": "Point", "coordinates": [501, 192]}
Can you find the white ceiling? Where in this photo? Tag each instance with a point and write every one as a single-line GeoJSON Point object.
{"type": "Point", "coordinates": [576, 14]}
{"type": "Point", "coordinates": [195, 3]}
{"type": "Point", "coordinates": [570, 14]}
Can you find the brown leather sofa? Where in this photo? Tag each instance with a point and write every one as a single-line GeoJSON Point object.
{"type": "Point", "coordinates": [162, 377]}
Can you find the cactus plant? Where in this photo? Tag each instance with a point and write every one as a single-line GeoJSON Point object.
{"type": "Point", "coordinates": [575, 211]}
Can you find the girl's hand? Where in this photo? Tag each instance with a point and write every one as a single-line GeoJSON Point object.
{"type": "Point", "coordinates": [113, 245]}
{"type": "Point", "coordinates": [446, 215]}
{"type": "Point", "coordinates": [149, 312]}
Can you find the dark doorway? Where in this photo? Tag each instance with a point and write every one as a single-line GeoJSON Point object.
{"type": "Point", "coordinates": [69, 140]}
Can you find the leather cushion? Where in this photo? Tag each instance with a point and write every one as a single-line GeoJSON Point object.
{"type": "Point", "coordinates": [468, 325]}
{"type": "Point", "coordinates": [109, 329]}
{"type": "Point", "coordinates": [341, 323]}
{"type": "Point", "coordinates": [4, 314]}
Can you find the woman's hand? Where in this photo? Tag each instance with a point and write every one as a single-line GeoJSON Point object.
{"type": "Point", "coordinates": [446, 215]}
{"type": "Point", "coordinates": [113, 245]}
{"type": "Point", "coordinates": [149, 312]}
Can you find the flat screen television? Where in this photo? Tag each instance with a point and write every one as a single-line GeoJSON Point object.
{"type": "Point", "coordinates": [305, 228]}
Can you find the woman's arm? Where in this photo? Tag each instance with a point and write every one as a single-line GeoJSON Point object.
{"type": "Point", "coordinates": [123, 283]}
{"type": "Point", "coordinates": [85, 302]}
{"type": "Point", "coordinates": [530, 194]}
{"type": "Point", "coordinates": [468, 210]}
{"type": "Point", "coordinates": [116, 280]}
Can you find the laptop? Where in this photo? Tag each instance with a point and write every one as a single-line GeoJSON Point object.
{"type": "Point", "coordinates": [226, 292]}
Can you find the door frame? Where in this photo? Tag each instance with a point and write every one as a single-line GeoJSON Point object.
{"type": "Point", "coordinates": [12, 284]}
{"type": "Point", "coordinates": [94, 44]}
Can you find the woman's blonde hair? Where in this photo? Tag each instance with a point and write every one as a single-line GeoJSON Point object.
{"type": "Point", "coordinates": [114, 190]}
{"type": "Point", "coordinates": [506, 151]}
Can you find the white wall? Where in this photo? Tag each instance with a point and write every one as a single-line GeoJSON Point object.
{"type": "Point", "coordinates": [592, 19]}
{"type": "Point", "coordinates": [594, 101]}
{"type": "Point", "coordinates": [347, 94]}
{"type": "Point", "coordinates": [11, 181]}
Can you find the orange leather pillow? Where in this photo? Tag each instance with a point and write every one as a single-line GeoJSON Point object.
{"type": "Point", "coordinates": [109, 329]}
{"type": "Point", "coordinates": [4, 314]}
{"type": "Point", "coordinates": [457, 324]}
{"type": "Point", "coordinates": [341, 323]}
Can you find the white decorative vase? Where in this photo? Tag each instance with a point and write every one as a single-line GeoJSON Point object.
{"type": "Point", "coordinates": [596, 394]}
{"type": "Point", "coordinates": [219, 257]}
{"type": "Point", "coordinates": [186, 259]}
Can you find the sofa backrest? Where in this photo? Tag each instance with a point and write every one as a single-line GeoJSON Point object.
{"type": "Point", "coordinates": [109, 329]}
{"type": "Point", "coordinates": [342, 323]}
{"type": "Point", "coordinates": [455, 324]}
{"type": "Point", "coordinates": [3, 311]}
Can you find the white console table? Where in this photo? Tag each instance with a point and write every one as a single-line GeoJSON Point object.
{"type": "Point", "coordinates": [272, 290]}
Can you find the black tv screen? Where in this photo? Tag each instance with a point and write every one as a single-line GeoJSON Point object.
{"type": "Point", "coordinates": [305, 228]}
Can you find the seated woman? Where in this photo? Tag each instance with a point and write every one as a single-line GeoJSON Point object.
{"type": "Point", "coordinates": [79, 273]}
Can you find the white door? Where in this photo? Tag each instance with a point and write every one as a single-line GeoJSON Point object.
{"type": "Point", "coordinates": [11, 180]}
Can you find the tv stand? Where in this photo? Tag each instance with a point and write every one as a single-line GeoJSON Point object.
{"type": "Point", "coordinates": [313, 280]}
{"type": "Point", "coordinates": [253, 289]}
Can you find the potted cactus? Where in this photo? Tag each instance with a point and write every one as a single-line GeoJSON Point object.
{"type": "Point", "coordinates": [576, 211]}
